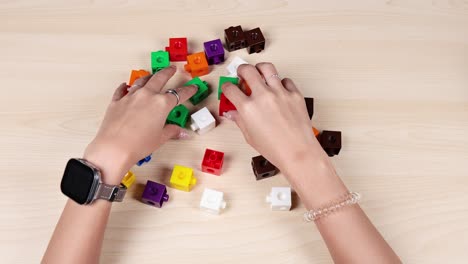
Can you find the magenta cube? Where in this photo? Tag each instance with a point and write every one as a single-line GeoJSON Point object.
{"type": "Point", "coordinates": [214, 51]}
{"type": "Point", "coordinates": [155, 194]}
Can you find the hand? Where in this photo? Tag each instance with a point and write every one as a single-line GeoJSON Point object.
{"type": "Point", "coordinates": [274, 117]}
{"type": "Point", "coordinates": [134, 124]}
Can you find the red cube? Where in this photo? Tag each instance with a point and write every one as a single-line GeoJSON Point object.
{"type": "Point", "coordinates": [213, 162]}
{"type": "Point", "coordinates": [177, 49]}
{"type": "Point", "coordinates": [225, 105]}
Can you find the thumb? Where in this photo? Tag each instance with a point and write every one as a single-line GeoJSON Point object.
{"type": "Point", "coordinates": [173, 132]}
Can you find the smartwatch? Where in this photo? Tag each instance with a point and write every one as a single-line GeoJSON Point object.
{"type": "Point", "coordinates": [82, 183]}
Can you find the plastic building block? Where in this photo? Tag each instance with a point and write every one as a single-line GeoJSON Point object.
{"type": "Point", "coordinates": [244, 86]}
{"type": "Point", "coordinates": [182, 178]}
{"type": "Point", "coordinates": [144, 160]}
{"type": "Point", "coordinates": [178, 116]}
{"type": "Point", "coordinates": [213, 162]}
{"type": "Point", "coordinates": [202, 121]}
{"type": "Point", "coordinates": [235, 63]}
{"type": "Point", "coordinates": [280, 198]}
{"type": "Point", "coordinates": [331, 142]}
{"type": "Point", "coordinates": [128, 179]}
{"type": "Point", "coordinates": [234, 37]}
{"type": "Point", "coordinates": [177, 49]}
{"type": "Point", "coordinates": [155, 194]}
{"type": "Point", "coordinates": [202, 92]}
{"type": "Point", "coordinates": [310, 106]}
{"type": "Point", "coordinates": [225, 105]}
{"type": "Point", "coordinates": [212, 201]}
{"type": "Point", "coordinates": [137, 74]}
{"type": "Point", "coordinates": [224, 79]}
{"type": "Point", "coordinates": [262, 168]}
{"type": "Point", "coordinates": [197, 65]}
{"type": "Point", "coordinates": [316, 132]}
{"type": "Point", "coordinates": [214, 51]}
{"type": "Point", "coordinates": [254, 40]}
{"type": "Point", "coordinates": [159, 60]}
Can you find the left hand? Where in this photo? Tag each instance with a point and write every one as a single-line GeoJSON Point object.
{"type": "Point", "coordinates": [135, 124]}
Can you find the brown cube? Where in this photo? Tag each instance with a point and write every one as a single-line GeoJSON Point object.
{"type": "Point", "coordinates": [331, 142]}
{"type": "Point", "coordinates": [262, 168]}
{"type": "Point", "coordinates": [254, 40]}
{"type": "Point", "coordinates": [310, 106]}
{"type": "Point", "coordinates": [234, 38]}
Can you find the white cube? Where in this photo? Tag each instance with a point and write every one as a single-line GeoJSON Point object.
{"type": "Point", "coordinates": [202, 121]}
{"type": "Point", "coordinates": [212, 201]}
{"type": "Point", "coordinates": [280, 198]}
{"type": "Point", "coordinates": [232, 67]}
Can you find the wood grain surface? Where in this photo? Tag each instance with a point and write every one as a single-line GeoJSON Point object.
{"type": "Point", "coordinates": [391, 75]}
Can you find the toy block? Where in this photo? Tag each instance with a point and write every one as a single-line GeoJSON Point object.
{"type": "Point", "coordinates": [202, 92]}
{"type": "Point", "coordinates": [137, 74]}
{"type": "Point", "coordinates": [159, 60]}
{"type": "Point", "coordinates": [280, 198]}
{"type": "Point", "coordinates": [155, 194]}
{"type": "Point", "coordinates": [212, 201]}
{"type": "Point", "coordinates": [202, 121]}
{"type": "Point", "coordinates": [235, 63]}
{"type": "Point", "coordinates": [316, 132]}
{"type": "Point", "coordinates": [144, 160]}
{"type": "Point", "coordinates": [224, 79]}
{"type": "Point", "coordinates": [234, 38]}
{"type": "Point", "coordinates": [178, 116]}
{"type": "Point", "coordinates": [225, 105]}
{"type": "Point", "coordinates": [128, 179]}
{"type": "Point", "coordinates": [331, 142]}
{"type": "Point", "coordinates": [262, 168]}
{"type": "Point", "coordinates": [214, 51]}
{"type": "Point", "coordinates": [244, 86]}
{"type": "Point", "coordinates": [197, 65]}
{"type": "Point", "coordinates": [310, 106]}
{"type": "Point", "coordinates": [254, 40]}
{"type": "Point", "coordinates": [182, 178]}
{"type": "Point", "coordinates": [177, 49]}
{"type": "Point", "coordinates": [213, 162]}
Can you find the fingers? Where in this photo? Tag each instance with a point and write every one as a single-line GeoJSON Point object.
{"type": "Point", "coordinates": [184, 92]}
{"type": "Point", "coordinates": [234, 94]}
{"type": "Point", "coordinates": [120, 92]}
{"type": "Point", "coordinates": [159, 79]}
{"type": "Point", "coordinates": [138, 84]}
{"type": "Point", "coordinates": [173, 132]}
{"type": "Point", "coordinates": [251, 75]}
{"type": "Point", "coordinates": [289, 85]}
{"type": "Point", "coordinates": [269, 72]}
{"type": "Point", "coordinates": [235, 116]}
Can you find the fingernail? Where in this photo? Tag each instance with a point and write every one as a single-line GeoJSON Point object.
{"type": "Point", "coordinates": [183, 134]}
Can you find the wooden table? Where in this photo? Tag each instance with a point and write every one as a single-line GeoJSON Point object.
{"type": "Point", "coordinates": [392, 75]}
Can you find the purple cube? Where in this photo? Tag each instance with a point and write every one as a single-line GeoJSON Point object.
{"type": "Point", "coordinates": [214, 51]}
{"type": "Point", "coordinates": [155, 194]}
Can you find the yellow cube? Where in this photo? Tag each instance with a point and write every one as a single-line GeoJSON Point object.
{"type": "Point", "coordinates": [128, 179]}
{"type": "Point", "coordinates": [182, 178]}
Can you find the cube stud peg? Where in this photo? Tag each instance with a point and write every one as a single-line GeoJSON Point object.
{"type": "Point", "coordinates": [225, 79]}
{"type": "Point", "coordinates": [234, 38]}
{"type": "Point", "coordinates": [331, 142]}
{"type": "Point", "coordinates": [255, 40]}
{"type": "Point", "coordinates": [214, 51]}
{"type": "Point", "coordinates": [197, 65]}
{"type": "Point", "coordinates": [178, 116]}
{"type": "Point", "coordinates": [213, 162]}
{"type": "Point", "coordinates": [212, 201]}
{"type": "Point", "coordinates": [202, 121]}
{"type": "Point", "coordinates": [280, 198]}
{"type": "Point", "coordinates": [177, 49]}
{"type": "Point", "coordinates": [128, 179]}
{"type": "Point", "coordinates": [137, 74]}
{"type": "Point", "coordinates": [155, 194]}
{"type": "Point", "coordinates": [262, 168]}
{"type": "Point", "coordinates": [159, 60]}
{"type": "Point", "coordinates": [202, 92]}
{"type": "Point", "coordinates": [182, 178]}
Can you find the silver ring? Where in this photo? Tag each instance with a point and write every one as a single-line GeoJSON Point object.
{"type": "Point", "coordinates": [276, 75]}
{"type": "Point", "coordinates": [174, 92]}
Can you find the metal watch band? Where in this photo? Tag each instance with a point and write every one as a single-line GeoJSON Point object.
{"type": "Point", "coordinates": [110, 193]}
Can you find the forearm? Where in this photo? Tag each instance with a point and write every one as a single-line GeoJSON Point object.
{"type": "Point", "coordinates": [348, 233]}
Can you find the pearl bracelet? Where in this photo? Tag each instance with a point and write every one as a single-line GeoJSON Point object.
{"type": "Point", "coordinates": [349, 199]}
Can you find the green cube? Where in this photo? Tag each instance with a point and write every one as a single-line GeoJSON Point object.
{"type": "Point", "coordinates": [224, 79]}
{"type": "Point", "coordinates": [178, 116]}
{"type": "Point", "coordinates": [202, 92]}
{"type": "Point", "coordinates": [159, 60]}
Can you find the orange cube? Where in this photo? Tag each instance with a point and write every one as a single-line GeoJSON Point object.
{"type": "Point", "coordinates": [197, 65]}
{"type": "Point", "coordinates": [316, 131]}
{"type": "Point", "coordinates": [136, 74]}
{"type": "Point", "coordinates": [245, 88]}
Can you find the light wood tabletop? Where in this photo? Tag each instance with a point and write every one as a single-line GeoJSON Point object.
{"type": "Point", "coordinates": [391, 75]}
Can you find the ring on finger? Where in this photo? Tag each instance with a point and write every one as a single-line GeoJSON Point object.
{"type": "Point", "coordinates": [174, 92]}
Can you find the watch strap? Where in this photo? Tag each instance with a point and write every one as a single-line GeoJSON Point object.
{"type": "Point", "coordinates": [111, 193]}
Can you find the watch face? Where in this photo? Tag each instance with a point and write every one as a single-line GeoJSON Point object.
{"type": "Point", "coordinates": [77, 181]}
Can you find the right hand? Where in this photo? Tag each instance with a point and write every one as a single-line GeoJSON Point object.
{"type": "Point", "coordinates": [274, 117]}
